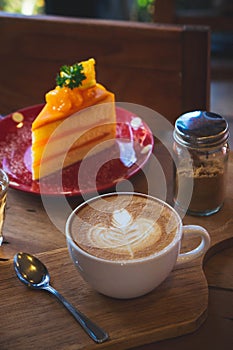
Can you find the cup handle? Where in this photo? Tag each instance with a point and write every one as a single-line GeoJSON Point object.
{"type": "Point", "coordinates": [196, 231]}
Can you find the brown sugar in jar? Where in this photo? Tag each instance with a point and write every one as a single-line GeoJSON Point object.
{"type": "Point", "coordinates": [201, 154]}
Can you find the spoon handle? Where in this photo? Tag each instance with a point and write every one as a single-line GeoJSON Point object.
{"type": "Point", "coordinates": [94, 331]}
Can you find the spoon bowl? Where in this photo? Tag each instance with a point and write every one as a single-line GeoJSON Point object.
{"type": "Point", "coordinates": [31, 271]}
{"type": "Point", "coordinates": [34, 274]}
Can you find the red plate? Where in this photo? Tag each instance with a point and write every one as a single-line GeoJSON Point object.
{"type": "Point", "coordinates": [132, 149]}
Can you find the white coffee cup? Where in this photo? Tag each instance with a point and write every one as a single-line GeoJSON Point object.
{"type": "Point", "coordinates": [134, 277]}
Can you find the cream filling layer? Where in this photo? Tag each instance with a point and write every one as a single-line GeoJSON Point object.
{"type": "Point", "coordinates": [73, 138]}
{"type": "Point", "coordinates": [54, 163]}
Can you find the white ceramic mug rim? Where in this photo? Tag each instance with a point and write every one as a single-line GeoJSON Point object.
{"type": "Point", "coordinates": [164, 251]}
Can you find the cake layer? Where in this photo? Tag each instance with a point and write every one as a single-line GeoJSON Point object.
{"type": "Point", "coordinates": [72, 139]}
{"type": "Point", "coordinates": [60, 161]}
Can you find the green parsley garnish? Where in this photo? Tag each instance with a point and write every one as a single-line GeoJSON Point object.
{"type": "Point", "coordinates": [71, 76]}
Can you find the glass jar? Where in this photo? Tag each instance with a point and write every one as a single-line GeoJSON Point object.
{"type": "Point", "coordinates": [200, 157]}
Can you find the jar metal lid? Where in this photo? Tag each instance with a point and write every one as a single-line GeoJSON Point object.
{"type": "Point", "coordinates": [201, 129]}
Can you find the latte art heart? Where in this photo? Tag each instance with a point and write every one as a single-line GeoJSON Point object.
{"type": "Point", "coordinates": [124, 227]}
{"type": "Point", "coordinates": [121, 218]}
{"type": "Point", "coordinates": [125, 236]}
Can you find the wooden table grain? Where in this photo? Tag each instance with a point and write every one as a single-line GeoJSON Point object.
{"type": "Point", "coordinates": [192, 309]}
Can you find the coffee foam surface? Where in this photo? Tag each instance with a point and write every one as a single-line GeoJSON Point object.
{"type": "Point", "coordinates": [124, 227]}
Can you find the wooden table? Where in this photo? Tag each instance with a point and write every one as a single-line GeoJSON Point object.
{"type": "Point", "coordinates": [192, 309]}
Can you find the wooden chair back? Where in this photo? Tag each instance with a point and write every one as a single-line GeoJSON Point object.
{"type": "Point", "coordinates": [164, 67]}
